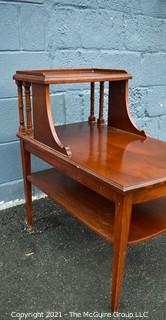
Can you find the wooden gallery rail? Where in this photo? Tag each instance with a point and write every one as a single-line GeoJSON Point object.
{"type": "Point", "coordinates": [108, 174]}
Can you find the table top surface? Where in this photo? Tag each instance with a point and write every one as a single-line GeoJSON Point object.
{"type": "Point", "coordinates": [129, 161]}
{"type": "Point", "coordinates": [71, 75]}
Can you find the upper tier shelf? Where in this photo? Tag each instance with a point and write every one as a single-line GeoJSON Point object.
{"type": "Point", "coordinates": [71, 75]}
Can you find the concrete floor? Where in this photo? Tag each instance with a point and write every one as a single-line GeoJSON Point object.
{"type": "Point", "coordinates": [62, 266]}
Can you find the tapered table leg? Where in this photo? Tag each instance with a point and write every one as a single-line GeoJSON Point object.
{"type": "Point", "coordinates": [26, 165]}
{"type": "Point", "coordinates": [121, 231]}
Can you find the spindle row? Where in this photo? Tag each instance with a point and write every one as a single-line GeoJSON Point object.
{"type": "Point", "coordinates": [92, 118]}
{"type": "Point", "coordinates": [25, 127]}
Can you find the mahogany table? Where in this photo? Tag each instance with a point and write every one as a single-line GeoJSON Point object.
{"type": "Point", "coordinates": [108, 174]}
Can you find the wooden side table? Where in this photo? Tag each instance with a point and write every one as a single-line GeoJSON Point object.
{"type": "Point", "coordinates": [109, 175]}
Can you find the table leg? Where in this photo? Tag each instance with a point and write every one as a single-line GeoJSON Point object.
{"type": "Point", "coordinates": [121, 230]}
{"type": "Point", "coordinates": [26, 165]}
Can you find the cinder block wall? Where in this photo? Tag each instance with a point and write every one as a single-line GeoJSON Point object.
{"type": "Point", "coordinates": [67, 33]}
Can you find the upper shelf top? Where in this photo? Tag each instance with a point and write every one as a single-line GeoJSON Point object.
{"type": "Point", "coordinates": [71, 75]}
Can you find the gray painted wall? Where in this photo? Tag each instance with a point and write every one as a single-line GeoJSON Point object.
{"type": "Point", "coordinates": [67, 33]}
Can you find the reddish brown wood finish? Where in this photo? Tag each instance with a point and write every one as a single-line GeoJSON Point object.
{"type": "Point", "coordinates": [101, 104]}
{"type": "Point", "coordinates": [102, 162]}
{"type": "Point", "coordinates": [71, 75]}
{"type": "Point", "coordinates": [82, 203]}
{"type": "Point", "coordinates": [92, 102]}
{"type": "Point", "coordinates": [126, 160]}
{"type": "Point", "coordinates": [26, 167]}
{"type": "Point", "coordinates": [123, 212]}
{"type": "Point", "coordinates": [43, 119]}
{"type": "Point", "coordinates": [20, 106]}
{"type": "Point", "coordinates": [118, 113]}
{"type": "Point", "coordinates": [28, 107]}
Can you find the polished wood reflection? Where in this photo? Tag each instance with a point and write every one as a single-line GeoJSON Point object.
{"type": "Point", "coordinates": [127, 159]}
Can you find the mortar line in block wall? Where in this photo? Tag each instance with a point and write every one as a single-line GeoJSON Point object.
{"type": "Point", "coordinates": [14, 2]}
{"type": "Point", "coordinates": [127, 13]}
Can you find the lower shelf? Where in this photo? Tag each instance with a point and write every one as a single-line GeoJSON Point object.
{"type": "Point", "coordinates": [96, 212]}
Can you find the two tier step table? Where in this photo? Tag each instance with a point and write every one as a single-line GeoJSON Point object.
{"type": "Point", "coordinates": [107, 173]}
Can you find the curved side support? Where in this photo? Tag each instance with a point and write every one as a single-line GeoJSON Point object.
{"type": "Point", "coordinates": [118, 109]}
{"type": "Point", "coordinates": [44, 130]}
